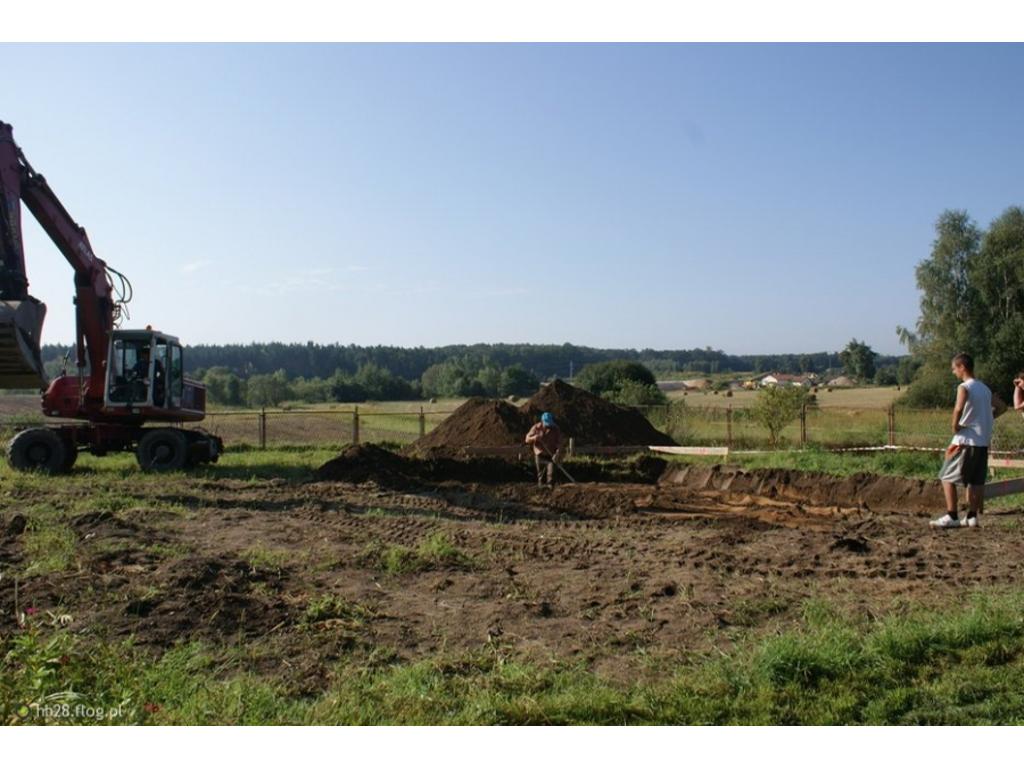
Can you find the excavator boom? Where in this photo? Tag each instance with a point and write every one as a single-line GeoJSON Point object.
{"type": "Point", "coordinates": [21, 316]}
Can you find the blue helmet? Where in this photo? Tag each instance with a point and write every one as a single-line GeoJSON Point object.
{"type": "Point", "coordinates": [547, 419]}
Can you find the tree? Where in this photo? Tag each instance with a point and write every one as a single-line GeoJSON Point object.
{"type": "Point", "coordinates": [516, 380]}
{"type": "Point", "coordinates": [858, 360]}
{"type": "Point", "coordinates": [777, 407]}
{"type": "Point", "coordinates": [621, 381]}
{"type": "Point", "coordinates": [972, 300]}
{"type": "Point", "coordinates": [268, 389]}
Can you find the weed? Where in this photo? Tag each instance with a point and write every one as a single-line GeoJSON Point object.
{"type": "Point", "coordinates": [435, 552]}
{"type": "Point", "coordinates": [49, 547]}
{"type": "Point", "coordinates": [335, 607]}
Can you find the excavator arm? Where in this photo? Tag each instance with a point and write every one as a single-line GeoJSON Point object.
{"type": "Point", "coordinates": [21, 315]}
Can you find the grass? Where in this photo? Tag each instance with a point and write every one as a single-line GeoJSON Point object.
{"type": "Point", "coordinates": [433, 552]}
{"type": "Point", "coordinates": [263, 558]}
{"type": "Point", "coordinates": [49, 547]}
{"type": "Point", "coordinates": [962, 666]}
{"type": "Point", "coordinates": [334, 608]}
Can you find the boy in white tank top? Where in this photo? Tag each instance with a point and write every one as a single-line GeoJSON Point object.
{"type": "Point", "coordinates": [967, 456]}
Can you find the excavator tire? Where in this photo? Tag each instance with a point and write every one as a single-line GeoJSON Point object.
{"type": "Point", "coordinates": [163, 450]}
{"type": "Point", "coordinates": [38, 449]}
{"type": "Point", "coordinates": [70, 454]}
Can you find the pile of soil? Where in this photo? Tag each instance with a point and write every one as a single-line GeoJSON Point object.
{"type": "Point", "coordinates": [587, 418]}
{"type": "Point", "coordinates": [477, 422]}
{"type": "Point", "coordinates": [872, 492]}
{"type": "Point", "coordinates": [361, 463]}
{"type": "Point", "coordinates": [590, 419]}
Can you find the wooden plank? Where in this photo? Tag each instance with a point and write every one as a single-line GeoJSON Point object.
{"type": "Point", "coordinates": [690, 450]}
{"type": "Point", "coordinates": [1008, 463]}
{"type": "Point", "coordinates": [1004, 488]}
{"type": "Point", "coordinates": [608, 450]}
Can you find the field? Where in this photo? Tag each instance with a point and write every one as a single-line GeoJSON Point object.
{"type": "Point", "coordinates": [854, 397]}
{"type": "Point", "coordinates": [251, 592]}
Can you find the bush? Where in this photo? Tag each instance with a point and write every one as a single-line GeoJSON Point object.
{"type": "Point", "coordinates": [622, 382]}
{"type": "Point", "coordinates": [776, 407]}
{"type": "Point", "coordinates": [932, 388]}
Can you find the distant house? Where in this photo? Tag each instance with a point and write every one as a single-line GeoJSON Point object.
{"type": "Point", "coordinates": [697, 384]}
{"type": "Point", "coordinates": [787, 380]}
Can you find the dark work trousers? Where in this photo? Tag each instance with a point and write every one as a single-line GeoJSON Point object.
{"type": "Point", "coordinates": [545, 466]}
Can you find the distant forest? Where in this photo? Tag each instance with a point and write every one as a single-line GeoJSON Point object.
{"type": "Point", "coordinates": [543, 360]}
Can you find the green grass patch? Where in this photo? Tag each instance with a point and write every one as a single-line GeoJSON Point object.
{"type": "Point", "coordinates": [336, 608]}
{"type": "Point", "coordinates": [434, 552]}
{"type": "Point", "coordinates": [963, 666]}
{"type": "Point", "coordinates": [49, 547]}
{"type": "Point", "coordinates": [263, 558]}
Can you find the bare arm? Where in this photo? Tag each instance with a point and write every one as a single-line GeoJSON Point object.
{"type": "Point", "coordinates": [1018, 397]}
{"type": "Point", "coordinates": [958, 409]}
{"type": "Point", "coordinates": [532, 435]}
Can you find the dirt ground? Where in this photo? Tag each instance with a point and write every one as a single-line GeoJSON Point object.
{"type": "Point", "coordinates": [617, 576]}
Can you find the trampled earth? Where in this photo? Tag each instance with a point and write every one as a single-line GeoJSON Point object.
{"type": "Point", "coordinates": [638, 562]}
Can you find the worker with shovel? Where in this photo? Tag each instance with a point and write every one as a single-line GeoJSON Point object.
{"type": "Point", "coordinates": [546, 439]}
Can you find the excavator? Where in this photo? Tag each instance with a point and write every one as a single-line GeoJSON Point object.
{"type": "Point", "coordinates": [128, 391]}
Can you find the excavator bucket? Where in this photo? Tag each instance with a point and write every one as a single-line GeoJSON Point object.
{"type": "Point", "coordinates": [21, 326]}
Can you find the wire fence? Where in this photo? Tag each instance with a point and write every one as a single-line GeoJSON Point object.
{"type": "Point", "coordinates": [826, 427]}
{"type": "Point", "coordinates": [724, 426]}
{"type": "Point", "coordinates": [277, 428]}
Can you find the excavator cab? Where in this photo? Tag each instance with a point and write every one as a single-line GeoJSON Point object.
{"type": "Point", "coordinates": [145, 370]}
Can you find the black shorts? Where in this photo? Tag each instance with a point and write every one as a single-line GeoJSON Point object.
{"type": "Point", "coordinates": [972, 469]}
{"type": "Point", "coordinates": [975, 470]}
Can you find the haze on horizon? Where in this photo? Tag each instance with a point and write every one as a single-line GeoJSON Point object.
{"type": "Point", "coordinates": [750, 198]}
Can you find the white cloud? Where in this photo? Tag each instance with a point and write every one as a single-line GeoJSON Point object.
{"type": "Point", "coordinates": [193, 266]}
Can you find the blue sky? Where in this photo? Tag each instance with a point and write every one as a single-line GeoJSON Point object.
{"type": "Point", "coordinates": [753, 198]}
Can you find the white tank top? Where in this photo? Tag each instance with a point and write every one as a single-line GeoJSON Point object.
{"type": "Point", "coordinates": [976, 419]}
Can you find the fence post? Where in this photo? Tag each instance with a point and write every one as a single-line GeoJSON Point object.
{"type": "Point", "coordinates": [423, 423]}
{"type": "Point", "coordinates": [892, 424]}
{"type": "Point", "coordinates": [572, 447]}
{"type": "Point", "coordinates": [803, 425]}
{"type": "Point", "coordinates": [355, 425]}
{"type": "Point", "coordinates": [728, 427]}
{"type": "Point", "coordinates": [263, 428]}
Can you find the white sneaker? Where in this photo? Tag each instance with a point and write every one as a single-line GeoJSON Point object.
{"type": "Point", "coordinates": [946, 521]}
{"type": "Point", "coordinates": [972, 522]}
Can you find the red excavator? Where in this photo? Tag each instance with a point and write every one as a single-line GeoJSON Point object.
{"type": "Point", "coordinates": [123, 380]}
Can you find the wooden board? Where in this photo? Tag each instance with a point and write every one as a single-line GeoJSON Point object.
{"type": "Point", "coordinates": [1008, 463]}
{"type": "Point", "coordinates": [690, 450]}
{"type": "Point", "coordinates": [1004, 488]}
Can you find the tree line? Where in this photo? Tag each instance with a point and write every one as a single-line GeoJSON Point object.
{"type": "Point", "coordinates": [545, 361]}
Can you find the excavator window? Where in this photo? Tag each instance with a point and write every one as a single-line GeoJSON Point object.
{"type": "Point", "coordinates": [176, 381]}
{"type": "Point", "coordinates": [160, 366]}
{"type": "Point", "coordinates": [129, 371]}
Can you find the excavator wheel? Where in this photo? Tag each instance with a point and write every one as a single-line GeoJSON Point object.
{"type": "Point", "coordinates": [38, 449]}
{"type": "Point", "coordinates": [162, 450]}
{"type": "Point", "coordinates": [70, 455]}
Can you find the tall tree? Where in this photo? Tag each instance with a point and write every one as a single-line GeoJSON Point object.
{"type": "Point", "coordinates": [859, 360]}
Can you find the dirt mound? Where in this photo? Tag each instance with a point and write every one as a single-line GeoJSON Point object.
{"type": "Point", "coordinates": [205, 597]}
{"type": "Point", "coordinates": [361, 463]}
{"type": "Point", "coordinates": [874, 492]}
{"type": "Point", "coordinates": [477, 422]}
{"type": "Point", "coordinates": [592, 420]}
{"type": "Point", "coordinates": [587, 418]}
